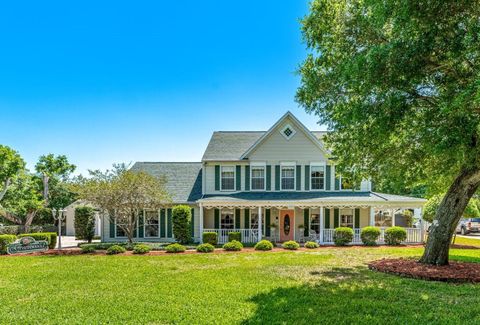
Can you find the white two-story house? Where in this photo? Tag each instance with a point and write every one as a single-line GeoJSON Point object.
{"type": "Point", "coordinates": [278, 184]}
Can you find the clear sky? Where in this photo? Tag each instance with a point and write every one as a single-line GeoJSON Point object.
{"type": "Point", "coordinates": [118, 81]}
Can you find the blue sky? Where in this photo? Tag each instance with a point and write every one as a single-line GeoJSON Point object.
{"type": "Point", "coordinates": [114, 81]}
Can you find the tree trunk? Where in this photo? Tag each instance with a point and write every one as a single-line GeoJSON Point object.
{"type": "Point", "coordinates": [5, 188]}
{"type": "Point", "coordinates": [29, 220]}
{"type": "Point", "coordinates": [45, 188]}
{"type": "Point", "coordinates": [11, 217]}
{"type": "Point", "coordinates": [448, 214]}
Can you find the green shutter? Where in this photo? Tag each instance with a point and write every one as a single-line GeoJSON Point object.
{"type": "Point", "coordinates": [238, 177]}
{"type": "Point", "coordinates": [217, 218]}
{"type": "Point", "coordinates": [112, 227]}
{"type": "Point", "coordinates": [337, 184]}
{"type": "Point", "coordinates": [328, 178]}
{"type": "Point", "coordinates": [298, 177]}
{"type": "Point", "coordinates": [357, 218]}
{"type": "Point", "coordinates": [237, 219]}
{"type": "Point", "coordinates": [267, 222]}
{"type": "Point", "coordinates": [269, 178]}
{"type": "Point", "coordinates": [247, 178]}
{"type": "Point", "coordinates": [162, 223]}
{"type": "Point", "coordinates": [169, 223]}
{"type": "Point", "coordinates": [306, 222]}
{"type": "Point", "coordinates": [217, 177]}
{"type": "Point", "coordinates": [327, 218]}
{"type": "Point", "coordinates": [141, 221]}
{"type": "Point", "coordinates": [247, 218]}
{"type": "Point", "coordinates": [335, 218]}
{"type": "Point", "coordinates": [277, 178]}
{"type": "Point", "coordinates": [192, 222]}
{"type": "Point", "coordinates": [307, 178]}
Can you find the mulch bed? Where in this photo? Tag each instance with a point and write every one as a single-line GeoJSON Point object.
{"type": "Point", "coordinates": [456, 272]}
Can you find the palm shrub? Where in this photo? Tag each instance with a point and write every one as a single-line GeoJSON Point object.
{"type": "Point", "coordinates": [205, 248]}
{"type": "Point", "coordinates": [175, 248]}
{"type": "Point", "coordinates": [210, 237]}
{"type": "Point", "coordinates": [181, 217]}
{"type": "Point", "coordinates": [311, 245]}
{"type": "Point", "coordinates": [291, 245]}
{"type": "Point", "coordinates": [370, 235]}
{"type": "Point", "coordinates": [264, 245]}
{"type": "Point", "coordinates": [233, 245]}
{"type": "Point", "coordinates": [85, 223]}
{"type": "Point", "coordinates": [5, 240]}
{"type": "Point", "coordinates": [116, 249]}
{"type": "Point", "coordinates": [235, 235]}
{"type": "Point", "coordinates": [141, 249]}
{"type": "Point", "coordinates": [395, 236]}
{"type": "Point", "coordinates": [342, 236]}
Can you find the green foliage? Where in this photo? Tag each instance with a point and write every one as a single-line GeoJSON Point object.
{"type": "Point", "coordinates": [264, 245]}
{"type": "Point", "coordinates": [235, 235]}
{"type": "Point", "coordinates": [49, 237]}
{"type": "Point", "coordinates": [141, 249]}
{"type": "Point", "coordinates": [291, 245]}
{"type": "Point", "coordinates": [87, 249]}
{"type": "Point", "coordinates": [105, 246]}
{"type": "Point", "coordinates": [85, 223]}
{"type": "Point", "coordinates": [5, 240]}
{"type": "Point", "coordinates": [430, 208]}
{"type": "Point", "coordinates": [182, 216]}
{"type": "Point", "coordinates": [11, 165]}
{"type": "Point", "coordinates": [205, 248]}
{"type": "Point", "coordinates": [311, 245]}
{"type": "Point", "coordinates": [116, 249]}
{"type": "Point", "coordinates": [342, 236]}
{"type": "Point", "coordinates": [210, 237]}
{"type": "Point", "coordinates": [370, 235]}
{"type": "Point", "coordinates": [408, 215]}
{"type": "Point", "coordinates": [175, 248]}
{"type": "Point", "coordinates": [395, 236]}
{"type": "Point", "coordinates": [233, 245]}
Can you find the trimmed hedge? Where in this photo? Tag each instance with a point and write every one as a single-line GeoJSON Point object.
{"type": "Point", "coordinates": [342, 236]}
{"type": "Point", "coordinates": [182, 216]}
{"type": "Point", "coordinates": [87, 249]}
{"type": "Point", "coordinates": [205, 248]}
{"type": "Point", "coordinates": [233, 245]}
{"type": "Point", "coordinates": [264, 245]}
{"type": "Point", "coordinates": [291, 245]}
{"type": "Point", "coordinates": [50, 237]}
{"type": "Point", "coordinates": [235, 235]}
{"type": "Point", "coordinates": [175, 248]}
{"type": "Point", "coordinates": [311, 245]}
{"type": "Point", "coordinates": [395, 235]}
{"type": "Point", "coordinates": [141, 249]}
{"type": "Point", "coordinates": [370, 235]}
{"type": "Point", "coordinates": [210, 238]}
{"type": "Point", "coordinates": [116, 249]}
{"type": "Point", "coordinates": [5, 240]}
{"type": "Point", "coordinates": [84, 223]}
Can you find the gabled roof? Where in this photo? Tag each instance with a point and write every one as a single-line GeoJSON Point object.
{"type": "Point", "coordinates": [183, 179]}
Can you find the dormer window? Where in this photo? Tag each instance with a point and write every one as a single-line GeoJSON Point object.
{"type": "Point", "coordinates": [288, 132]}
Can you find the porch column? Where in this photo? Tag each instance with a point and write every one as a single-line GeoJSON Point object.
{"type": "Point", "coordinates": [372, 216]}
{"type": "Point", "coordinates": [200, 223]}
{"type": "Point", "coordinates": [322, 223]}
{"type": "Point", "coordinates": [393, 217]}
{"type": "Point", "coordinates": [259, 223]}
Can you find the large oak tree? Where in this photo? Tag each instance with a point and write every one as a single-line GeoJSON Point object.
{"type": "Point", "coordinates": [398, 84]}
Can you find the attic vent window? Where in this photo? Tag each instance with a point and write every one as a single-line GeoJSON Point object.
{"type": "Point", "coordinates": [288, 132]}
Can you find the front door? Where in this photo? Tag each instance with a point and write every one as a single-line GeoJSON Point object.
{"type": "Point", "coordinates": [287, 225]}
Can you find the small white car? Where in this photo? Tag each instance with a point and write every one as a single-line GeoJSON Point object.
{"type": "Point", "coordinates": [468, 225]}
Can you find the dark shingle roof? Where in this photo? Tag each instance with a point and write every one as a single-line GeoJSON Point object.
{"type": "Point", "coordinates": [230, 145]}
{"type": "Point", "coordinates": [184, 179]}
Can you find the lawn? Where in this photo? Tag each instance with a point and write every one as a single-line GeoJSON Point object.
{"type": "Point", "coordinates": [467, 241]}
{"type": "Point", "coordinates": [328, 286]}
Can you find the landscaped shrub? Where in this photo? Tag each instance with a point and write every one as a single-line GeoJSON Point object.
{"type": "Point", "coordinates": [291, 245]}
{"type": "Point", "coordinates": [205, 248]}
{"type": "Point", "coordinates": [104, 246]}
{"type": "Point", "coordinates": [235, 235]}
{"type": "Point", "coordinates": [342, 236]}
{"type": "Point", "coordinates": [210, 238]}
{"type": "Point", "coordinates": [141, 249]}
{"type": "Point", "coordinates": [85, 223]}
{"type": "Point", "coordinates": [233, 245]}
{"type": "Point", "coordinates": [9, 230]}
{"type": "Point", "coordinates": [116, 249]}
{"type": "Point", "coordinates": [181, 217]}
{"type": "Point", "coordinates": [175, 248]}
{"type": "Point", "coordinates": [311, 245]}
{"type": "Point", "coordinates": [395, 235]}
{"type": "Point", "coordinates": [5, 240]}
{"type": "Point", "coordinates": [50, 237]}
{"type": "Point", "coordinates": [369, 235]}
{"type": "Point", "coordinates": [264, 245]}
{"type": "Point", "coordinates": [87, 249]}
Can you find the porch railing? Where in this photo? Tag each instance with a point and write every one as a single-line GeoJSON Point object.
{"type": "Point", "coordinates": [247, 235]}
{"type": "Point", "coordinates": [414, 235]}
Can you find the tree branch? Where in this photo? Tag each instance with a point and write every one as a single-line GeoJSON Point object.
{"type": "Point", "coordinates": [5, 188]}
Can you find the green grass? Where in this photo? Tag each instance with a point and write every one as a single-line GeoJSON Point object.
{"type": "Point", "coordinates": [328, 286]}
{"type": "Point", "coordinates": [467, 241]}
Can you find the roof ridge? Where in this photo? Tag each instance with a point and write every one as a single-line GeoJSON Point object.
{"type": "Point", "coordinates": [247, 131]}
{"type": "Point", "coordinates": [168, 162]}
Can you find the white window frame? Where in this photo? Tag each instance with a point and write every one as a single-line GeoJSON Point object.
{"type": "Point", "coordinates": [347, 212]}
{"type": "Point", "coordinates": [231, 213]}
{"type": "Point", "coordinates": [234, 178]}
{"type": "Point", "coordinates": [319, 164]}
{"type": "Point", "coordinates": [150, 224]}
{"type": "Point", "coordinates": [288, 164]}
{"type": "Point", "coordinates": [258, 165]}
{"type": "Point", "coordinates": [288, 126]}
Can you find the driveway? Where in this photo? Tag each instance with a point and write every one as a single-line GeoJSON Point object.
{"type": "Point", "coordinates": [70, 241]}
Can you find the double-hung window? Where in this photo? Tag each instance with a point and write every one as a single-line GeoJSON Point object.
{"type": "Point", "coordinates": [315, 223]}
{"type": "Point", "coordinates": [227, 221]}
{"type": "Point", "coordinates": [288, 177]}
{"type": "Point", "coordinates": [228, 178]}
{"type": "Point", "coordinates": [346, 218]}
{"type": "Point", "coordinates": [317, 177]}
{"type": "Point", "coordinates": [151, 225]}
{"type": "Point", "coordinates": [120, 226]}
{"type": "Point", "coordinates": [258, 178]}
